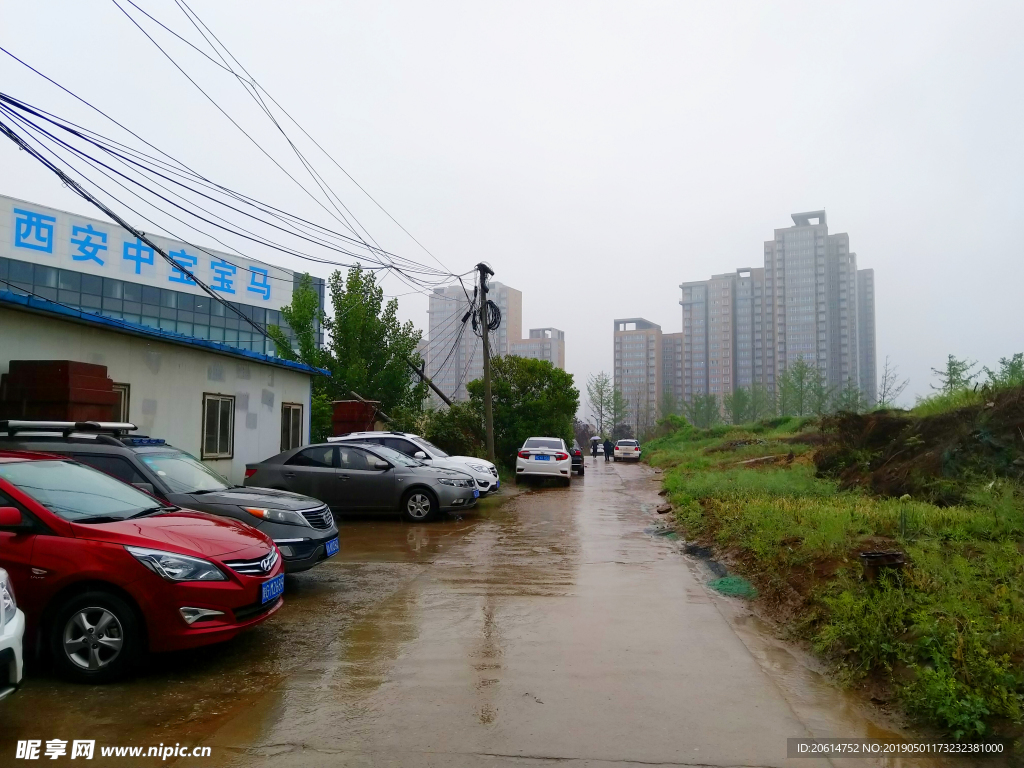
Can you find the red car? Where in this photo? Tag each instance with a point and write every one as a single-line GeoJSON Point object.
{"type": "Point", "coordinates": [104, 572]}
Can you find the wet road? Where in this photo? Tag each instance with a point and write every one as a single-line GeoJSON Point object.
{"type": "Point", "coordinates": [544, 628]}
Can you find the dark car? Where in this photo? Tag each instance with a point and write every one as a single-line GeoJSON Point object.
{"type": "Point", "coordinates": [302, 527]}
{"type": "Point", "coordinates": [577, 458]}
{"type": "Point", "coordinates": [362, 477]}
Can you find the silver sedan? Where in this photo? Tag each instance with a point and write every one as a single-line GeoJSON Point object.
{"type": "Point", "coordinates": [362, 477]}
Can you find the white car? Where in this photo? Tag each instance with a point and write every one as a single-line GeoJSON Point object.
{"type": "Point", "coordinates": [483, 472]}
{"type": "Point", "coordinates": [12, 630]}
{"type": "Point", "coordinates": [544, 457]}
{"type": "Point", "coordinates": [627, 449]}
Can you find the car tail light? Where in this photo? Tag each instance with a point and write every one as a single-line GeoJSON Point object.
{"type": "Point", "coordinates": [249, 472]}
{"type": "Point", "coordinates": [578, 453]}
{"type": "Point", "coordinates": [561, 456]}
{"type": "Point", "coordinates": [524, 454]}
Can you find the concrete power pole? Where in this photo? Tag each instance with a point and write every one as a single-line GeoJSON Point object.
{"type": "Point", "coordinates": [485, 271]}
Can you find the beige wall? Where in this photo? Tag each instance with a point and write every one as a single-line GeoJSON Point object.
{"type": "Point", "coordinates": [168, 382]}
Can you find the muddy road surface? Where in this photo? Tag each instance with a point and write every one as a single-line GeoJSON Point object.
{"type": "Point", "coordinates": [550, 627]}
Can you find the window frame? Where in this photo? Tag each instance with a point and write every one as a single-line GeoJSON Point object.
{"type": "Point", "coordinates": [221, 398]}
{"type": "Point", "coordinates": [125, 391]}
{"type": "Point", "coordinates": [291, 408]}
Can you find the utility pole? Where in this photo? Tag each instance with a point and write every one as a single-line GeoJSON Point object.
{"type": "Point", "coordinates": [485, 271]}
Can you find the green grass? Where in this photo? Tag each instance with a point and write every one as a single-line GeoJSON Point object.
{"type": "Point", "coordinates": [944, 402]}
{"type": "Point", "coordinates": [947, 633]}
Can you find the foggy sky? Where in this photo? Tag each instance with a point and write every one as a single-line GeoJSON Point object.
{"type": "Point", "coordinates": [599, 154]}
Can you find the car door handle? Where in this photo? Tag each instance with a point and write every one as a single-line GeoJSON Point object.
{"type": "Point", "coordinates": [343, 477]}
{"type": "Point", "coordinates": [289, 474]}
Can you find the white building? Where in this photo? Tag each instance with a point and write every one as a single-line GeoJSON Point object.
{"type": "Point", "coordinates": [190, 369]}
{"type": "Point", "coordinates": [543, 344]}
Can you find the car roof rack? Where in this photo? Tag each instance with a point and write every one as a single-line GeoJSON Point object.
{"type": "Point", "coordinates": [115, 428]}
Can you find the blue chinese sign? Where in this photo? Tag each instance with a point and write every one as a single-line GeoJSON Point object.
{"type": "Point", "coordinates": [41, 235]}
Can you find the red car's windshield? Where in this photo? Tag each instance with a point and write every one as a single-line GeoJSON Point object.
{"type": "Point", "coordinates": [75, 492]}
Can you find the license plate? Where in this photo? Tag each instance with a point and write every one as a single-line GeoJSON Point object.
{"type": "Point", "coordinates": [497, 483]}
{"type": "Point", "coordinates": [331, 547]}
{"type": "Point", "coordinates": [476, 493]}
{"type": "Point", "coordinates": [542, 458]}
{"type": "Point", "coordinates": [273, 589]}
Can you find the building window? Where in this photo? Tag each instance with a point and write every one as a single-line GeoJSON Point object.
{"type": "Point", "coordinates": [123, 392]}
{"type": "Point", "coordinates": [218, 426]}
{"type": "Point", "coordinates": [291, 426]}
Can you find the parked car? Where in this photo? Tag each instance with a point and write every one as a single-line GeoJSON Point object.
{"type": "Point", "coordinates": [577, 458]}
{"type": "Point", "coordinates": [544, 457]}
{"type": "Point", "coordinates": [414, 446]}
{"type": "Point", "coordinates": [12, 631]}
{"type": "Point", "coordinates": [600, 450]}
{"type": "Point", "coordinates": [365, 477]}
{"type": "Point", "coordinates": [302, 527]}
{"type": "Point", "coordinates": [107, 572]}
{"type": "Point", "coordinates": [627, 450]}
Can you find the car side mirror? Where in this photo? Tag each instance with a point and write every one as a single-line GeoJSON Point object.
{"type": "Point", "coordinates": [419, 455]}
{"type": "Point", "coordinates": [381, 464]}
{"type": "Point", "coordinates": [147, 487]}
{"type": "Point", "coordinates": [11, 518]}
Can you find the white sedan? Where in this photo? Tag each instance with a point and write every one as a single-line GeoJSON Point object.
{"type": "Point", "coordinates": [627, 449]}
{"type": "Point", "coordinates": [544, 457]}
{"type": "Point", "coordinates": [12, 629]}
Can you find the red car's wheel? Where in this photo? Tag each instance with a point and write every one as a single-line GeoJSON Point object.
{"type": "Point", "coordinates": [95, 637]}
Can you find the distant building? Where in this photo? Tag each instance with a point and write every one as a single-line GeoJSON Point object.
{"type": "Point", "coordinates": [638, 365]}
{"type": "Point", "coordinates": [866, 334]}
{"type": "Point", "coordinates": [543, 344]}
{"type": "Point", "coordinates": [809, 301]}
{"type": "Point", "coordinates": [453, 352]}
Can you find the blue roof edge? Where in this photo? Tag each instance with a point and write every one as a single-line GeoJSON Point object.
{"type": "Point", "coordinates": [16, 300]}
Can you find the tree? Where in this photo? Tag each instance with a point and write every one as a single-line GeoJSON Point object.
{"type": "Point", "coordinates": [369, 348]}
{"type": "Point", "coordinates": [1010, 373]}
{"type": "Point", "coordinates": [530, 398]}
{"type": "Point", "coordinates": [762, 404]}
{"type": "Point", "coordinates": [618, 410]}
{"type": "Point", "coordinates": [302, 316]}
{"type": "Point", "coordinates": [703, 411]}
{"type": "Point", "coordinates": [599, 396]}
{"type": "Point", "coordinates": [737, 405]}
{"type": "Point", "coordinates": [582, 432]}
{"type": "Point", "coordinates": [669, 405]}
{"type": "Point", "coordinates": [850, 399]}
{"type": "Point", "coordinates": [622, 431]}
{"type": "Point", "coordinates": [795, 388]}
{"type": "Point", "coordinates": [366, 353]}
{"type": "Point", "coordinates": [458, 430]}
{"type": "Point", "coordinates": [819, 393]}
{"type": "Point", "coordinates": [891, 386]}
{"type": "Point", "coordinates": [958, 374]}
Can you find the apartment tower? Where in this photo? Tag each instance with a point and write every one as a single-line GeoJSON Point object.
{"type": "Point", "coordinates": [809, 301]}
{"type": "Point", "coordinates": [454, 353]}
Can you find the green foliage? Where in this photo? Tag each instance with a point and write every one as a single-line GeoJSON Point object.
{"type": "Point", "coordinates": [957, 374]}
{"type": "Point", "coordinates": [702, 410]}
{"type": "Point", "coordinates": [762, 403]}
{"type": "Point", "coordinates": [600, 396]}
{"type": "Point", "coordinates": [947, 632]}
{"type": "Point", "coordinates": [530, 398]}
{"type": "Point", "coordinates": [302, 316]}
{"type": "Point", "coordinates": [737, 405]}
{"type": "Point", "coordinates": [369, 350]}
{"type": "Point", "coordinates": [944, 402]}
{"type": "Point", "coordinates": [795, 388]}
{"type": "Point", "coordinates": [849, 399]}
{"type": "Point", "coordinates": [1009, 374]}
{"type": "Point", "coordinates": [458, 430]}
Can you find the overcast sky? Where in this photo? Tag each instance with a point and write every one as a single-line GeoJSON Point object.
{"type": "Point", "coordinates": [598, 154]}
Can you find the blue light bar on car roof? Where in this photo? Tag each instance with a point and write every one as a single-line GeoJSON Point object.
{"type": "Point", "coordinates": [143, 441]}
